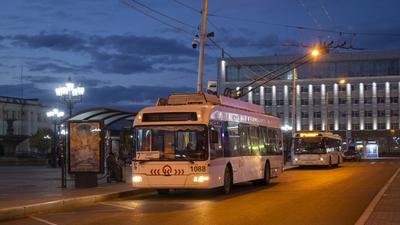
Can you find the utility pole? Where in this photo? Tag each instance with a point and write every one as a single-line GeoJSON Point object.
{"type": "Point", "coordinates": [294, 109]}
{"type": "Point", "coordinates": [202, 44]}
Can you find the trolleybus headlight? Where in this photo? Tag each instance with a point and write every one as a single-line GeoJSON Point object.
{"type": "Point", "coordinates": [200, 179]}
{"type": "Point", "coordinates": [295, 159]}
{"type": "Point", "coordinates": [137, 179]}
{"type": "Point", "coordinates": [322, 159]}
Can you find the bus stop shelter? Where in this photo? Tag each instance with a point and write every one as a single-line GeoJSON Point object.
{"type": "Point", "coordinates": [89, 138]}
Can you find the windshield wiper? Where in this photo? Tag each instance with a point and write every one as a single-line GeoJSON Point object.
{"type": "Point", "coordinates": [184, 158]}
{"type": "Point", "coordinates": [191, 161]}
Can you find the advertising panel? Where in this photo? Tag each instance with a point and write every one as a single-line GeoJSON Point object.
{"type": "Point", "coordinates": [85, 145]}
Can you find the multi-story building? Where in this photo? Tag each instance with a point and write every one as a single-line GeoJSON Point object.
{"type": "Point", "coordinates": [353, 94]}
{"type": "Point", "coordinates": [26, 117]}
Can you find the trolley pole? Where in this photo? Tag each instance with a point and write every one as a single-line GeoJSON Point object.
{"type": "Point", "coordinates": [202, 44]}
{"type": "Point", "coordinates": [293, 109]}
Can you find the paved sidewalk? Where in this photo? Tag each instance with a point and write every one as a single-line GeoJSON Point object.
{"type": "Point", "coordinates": [387, 211]}
{"type": "Point", "coordinates": [26, 185]}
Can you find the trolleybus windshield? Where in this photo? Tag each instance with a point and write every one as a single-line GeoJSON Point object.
{"type": "Point", "coordinates": [180, 142]}
{"type": "Point", "coordinates": [309, 145]}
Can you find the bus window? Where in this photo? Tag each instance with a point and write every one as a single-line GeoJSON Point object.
{"type": "Point", "coordinates": [330, 145]}
{"type": "Point", "coordinates": [262, 132]}
{"type": "Point", "coordinates": [254, 140]}
{"type": "Point", "coordinates": [244, 134]}
{"type": "Point", "coordinates": [216, 150]}
{"type": "Point", "coordinates": [279, 144]}
{"type": "Point", "coordinates": [271, 148]}
{"type": "Point", "coordinates": [233, 136]}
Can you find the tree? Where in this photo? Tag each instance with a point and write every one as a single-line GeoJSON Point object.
{"type": "Point", "coordinates": [42, 140]}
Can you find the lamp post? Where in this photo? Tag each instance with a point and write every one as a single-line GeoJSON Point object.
{"type": "Point", "coordinates": [54, 115]}
{"type": "Point", "coordinates": [70, 94]}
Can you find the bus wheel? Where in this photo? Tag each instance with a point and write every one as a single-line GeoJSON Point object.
{"type": "Point", "coordinates": [267, 174]}
{"type": "Point", "coordinates": [228, 180]}
{"type": "Point", "coordinates": [162, 191]}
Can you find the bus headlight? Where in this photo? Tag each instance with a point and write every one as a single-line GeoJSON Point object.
{"type": "Point", "coordinates": [137, 179]}
{"type": "Point", "coordinates": [322, 159]}
{"type": "Point", "coordinates": [295, 159]}
{"type": "Point", "coordinates": [200, 179]}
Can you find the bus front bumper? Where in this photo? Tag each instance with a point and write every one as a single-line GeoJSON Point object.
{"type": "Point", "coordinates": [304, 160]}
{"type": "Point", "coordinates": [192, 181]}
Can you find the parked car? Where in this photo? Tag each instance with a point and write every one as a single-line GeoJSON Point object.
{"type": "Point", "coordinates": [351, 155]}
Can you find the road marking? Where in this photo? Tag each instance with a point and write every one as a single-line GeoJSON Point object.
{"type": "Point", "coordinates": [42, 220]}
{"type": "Point", "coordinates": [117, 205]}
{"type": "Point", "coordinates": [372, 163]}
{"type": "Point", "coordinates": [368, 211]}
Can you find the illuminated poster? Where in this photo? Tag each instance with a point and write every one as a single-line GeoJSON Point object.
{"type": "Point", "coordinates": [84, 147]}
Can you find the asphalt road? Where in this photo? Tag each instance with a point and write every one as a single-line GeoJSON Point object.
{"type": "Point", "coordinates": [300, 196]}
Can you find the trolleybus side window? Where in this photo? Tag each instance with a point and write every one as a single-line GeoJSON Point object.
{"type": "Point", "coordinates": [271, 147]}
{"type": "Point", "coordinates": [216, 144]}
{"type": "Point", "coordinates": [263, 140]}
{"type": "Point", "coordinates": [279, 148]}
{"type": "Point", "coordinates": [332, 145]}
{"type": "Point", "coordinates": [234, 140]}
{"type": "Point", "coordinates": [245, 144]}
{"type": "Point", "coordinates": [274, 146]}
{"type": "Point", "coordinates": [254, 140]}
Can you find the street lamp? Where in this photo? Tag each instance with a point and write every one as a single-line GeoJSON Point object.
{"type": "Point", "coordinates": [55, 115]}
{"type": "Point", "coordinates": [315, 52]}
{"type": "Point", "coordinates": [70, 94]}
{"type": "Point", "coordinates": [286, 128]}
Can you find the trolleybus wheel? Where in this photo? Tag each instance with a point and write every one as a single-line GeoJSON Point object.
{"type": "Point", "coordinates": [267, 174]}
{"type": "Point", "coordinates": [162, 191]}
{"type": "Point", "coordinates": [338, 162]}
{"type": "Point", "coordinates": [227, 180]}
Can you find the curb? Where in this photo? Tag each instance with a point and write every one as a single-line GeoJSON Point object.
{"type": "Point", "coordinates": [288, 167]}
{"type": "Point", "coordinates": [60, 205]}
{"type": "Point", "coordinates": [371, 206]}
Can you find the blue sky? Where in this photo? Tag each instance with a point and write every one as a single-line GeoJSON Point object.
{"type": "Point", "coordinates": [126, 59]}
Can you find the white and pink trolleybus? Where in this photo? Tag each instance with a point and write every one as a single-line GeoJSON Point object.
{"type": "Point", "coordinates": [201, 141]}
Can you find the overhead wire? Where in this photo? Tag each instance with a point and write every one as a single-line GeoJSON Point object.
{"type": "Point", "coordinates": [187, 6]}
{"type": "Point", "coordinates": [325, 10]}
{"type": "Point", "coordinates": [256, 75]}
{"type": "Point", "coordinates": [218, 46]}
{"type": "Point", "coordinates": [309, 13]}
{"type": "Point", "coordinates": [129, 3]}
{"type": "Point", "coordinates": [298, 27]}
{"type": "Point", "coordinates": [195, 10]}
{"type": "Point", "coordinates": [134, 7]}
{"type": "Point", "coordinates": [162, 14]}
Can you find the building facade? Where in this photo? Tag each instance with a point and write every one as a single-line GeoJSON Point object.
{"type": "Point", "coordinates": [26, 116]}
{"type": "Point", "coordinates": [353, 94]}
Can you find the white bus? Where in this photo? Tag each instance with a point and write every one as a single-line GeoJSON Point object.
{"type": "Point", "coordinates": [317, 148]}
{"type": "Point", "coordinates": [201, 141]}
